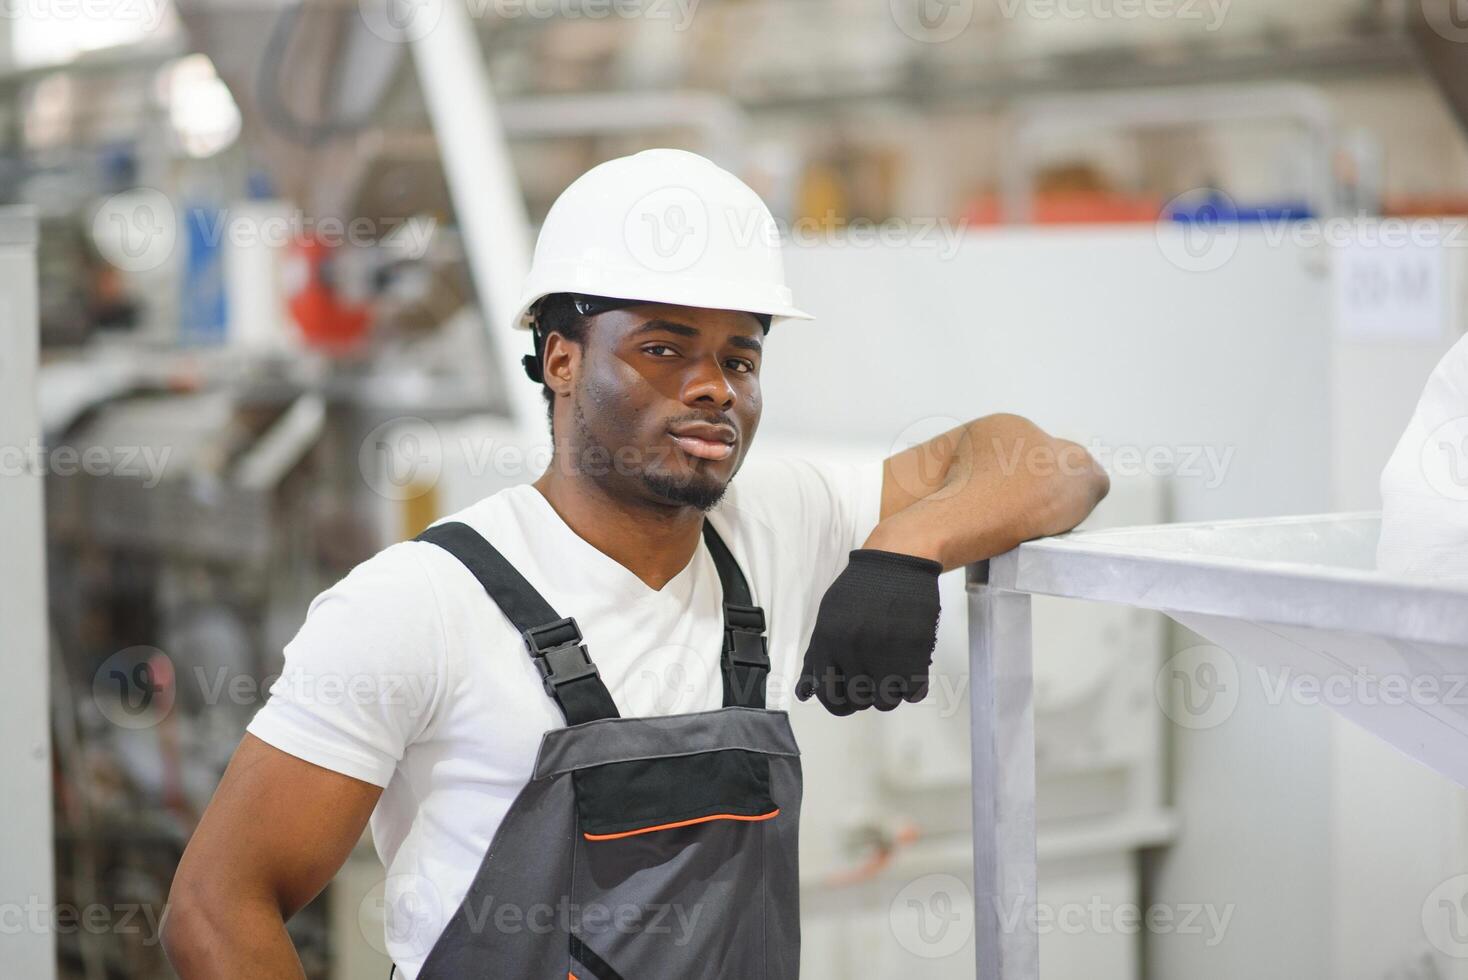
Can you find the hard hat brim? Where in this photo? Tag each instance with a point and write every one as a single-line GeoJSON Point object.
{"type": "Point", "coordinates": [698, 297]}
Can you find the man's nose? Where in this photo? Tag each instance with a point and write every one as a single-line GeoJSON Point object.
{"type": "Point", "coordinates": [706, 382]}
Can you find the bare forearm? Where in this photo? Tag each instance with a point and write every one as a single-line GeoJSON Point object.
{"type": "Point", "coordinates": [1006, 482]}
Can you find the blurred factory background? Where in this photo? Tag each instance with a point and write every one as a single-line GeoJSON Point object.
{"type": "Point", "coordinates": [268, 240]}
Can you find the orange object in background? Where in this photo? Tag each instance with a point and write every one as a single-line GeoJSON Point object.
{"type": "Point", "coordinates": [329, 320]}
{"type": "Point", "coordinates": [1424, 207]}
{"type": "Point", "coordinates": [1068, 208]}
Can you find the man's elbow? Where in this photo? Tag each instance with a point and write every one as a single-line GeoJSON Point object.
{"type": "Point", "coordinates": [1081, 484]}
{"type": "Point", "coordinates": [1092, 480]}
{"type": "Point", "coordinates": [181, 926]}
{"type": "Point", "coordinates": [193, 924]}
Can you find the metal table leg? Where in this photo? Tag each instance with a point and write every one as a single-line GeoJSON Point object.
{"type": "Point", "coordinates": [27, 856]}
{"type": "Point", "coordinates": [1001, 688]}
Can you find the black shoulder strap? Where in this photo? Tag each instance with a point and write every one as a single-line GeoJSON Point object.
{"type": "Point", "coordinates": [555, 644]}
{"type": "Point", "coordinates": [746, 659]}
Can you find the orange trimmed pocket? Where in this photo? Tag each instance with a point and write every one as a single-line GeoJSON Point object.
{"type": "Point", "coordinates": [641, 796]}
{"type": "Point", "coordinates": [683, 823]}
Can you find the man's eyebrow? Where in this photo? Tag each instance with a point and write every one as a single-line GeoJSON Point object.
{"type": "Point", "coordinates": [684, 330]}
{"type": "Point", "coordinates": [666, 326]}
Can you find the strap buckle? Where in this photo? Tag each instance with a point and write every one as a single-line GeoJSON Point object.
{"type": "Point", "coordinates": [561, 662]}
{"type": "Point", "coordinates": [745, 643]}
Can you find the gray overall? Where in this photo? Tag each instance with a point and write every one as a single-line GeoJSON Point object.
{"type": "Point", "coordinates": [641, 848]}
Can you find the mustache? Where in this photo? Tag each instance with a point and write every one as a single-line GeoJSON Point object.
{"type": "Point", "coordinates": [716, 419]}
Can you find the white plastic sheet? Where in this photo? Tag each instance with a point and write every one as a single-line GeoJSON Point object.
{"type": "Point", "coordinates": [1424, 487]}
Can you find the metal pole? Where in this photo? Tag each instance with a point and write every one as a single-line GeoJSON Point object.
{"type": "Point", "coordinates": [26, 850]}
{"type": "Point", "coordinates": [1001, 685]}
{"type": "Point", "coordinates": [486, 193]}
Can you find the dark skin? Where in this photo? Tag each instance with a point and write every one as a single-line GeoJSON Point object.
{"type": "Point", "coordinates": [279, 828]}
{"type": "Point", "coordinates": [643, 370]}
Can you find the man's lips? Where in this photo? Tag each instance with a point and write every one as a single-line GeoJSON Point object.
{"type": "Point", "coordinates": [703, 448]}
{"type": "Point", "coordinates": [705, 441]}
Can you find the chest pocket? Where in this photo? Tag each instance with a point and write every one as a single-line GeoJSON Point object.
{"type": "Point", "coordinates": [640, 796]}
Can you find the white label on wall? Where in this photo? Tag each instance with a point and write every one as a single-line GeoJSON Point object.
{"type": "Point", "coordinates": [1391, 291]}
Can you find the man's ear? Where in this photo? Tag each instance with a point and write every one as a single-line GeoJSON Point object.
{"type": "Point", "coordinates": [559, 363]}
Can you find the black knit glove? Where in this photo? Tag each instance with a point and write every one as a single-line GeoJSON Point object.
{"type": "Point", "coordinates": [874, 635]}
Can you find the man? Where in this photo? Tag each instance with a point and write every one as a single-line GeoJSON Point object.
{"type": "Point", "coordinates": [563, 709]}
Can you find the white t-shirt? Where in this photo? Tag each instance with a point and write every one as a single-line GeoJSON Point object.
{"type": "Point", "coordinates": [406, 675]}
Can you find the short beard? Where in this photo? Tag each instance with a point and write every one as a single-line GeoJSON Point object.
{"type": "Point", "coordinates": [695, 492]}
{"type": "Point", "coordinates": [701, 494]}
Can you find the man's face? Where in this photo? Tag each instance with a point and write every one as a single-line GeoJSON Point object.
{"type": "Point", "coordinates": [664, 401]}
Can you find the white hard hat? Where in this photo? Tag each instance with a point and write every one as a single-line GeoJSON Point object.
{"type": "Point", "coordinates": [663, 226]}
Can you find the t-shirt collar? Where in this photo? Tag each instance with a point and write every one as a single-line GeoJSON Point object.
{"type": "Point", "coordinates": [599, 567]}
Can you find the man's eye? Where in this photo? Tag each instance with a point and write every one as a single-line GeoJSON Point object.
{"type": "Point", "coordinates": [742, 366]}
{"type": "Point", "coordinates": [650, 348]}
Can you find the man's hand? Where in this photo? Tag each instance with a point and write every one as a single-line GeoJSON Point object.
{"type": "Point", "coordinates": [874, 634]}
